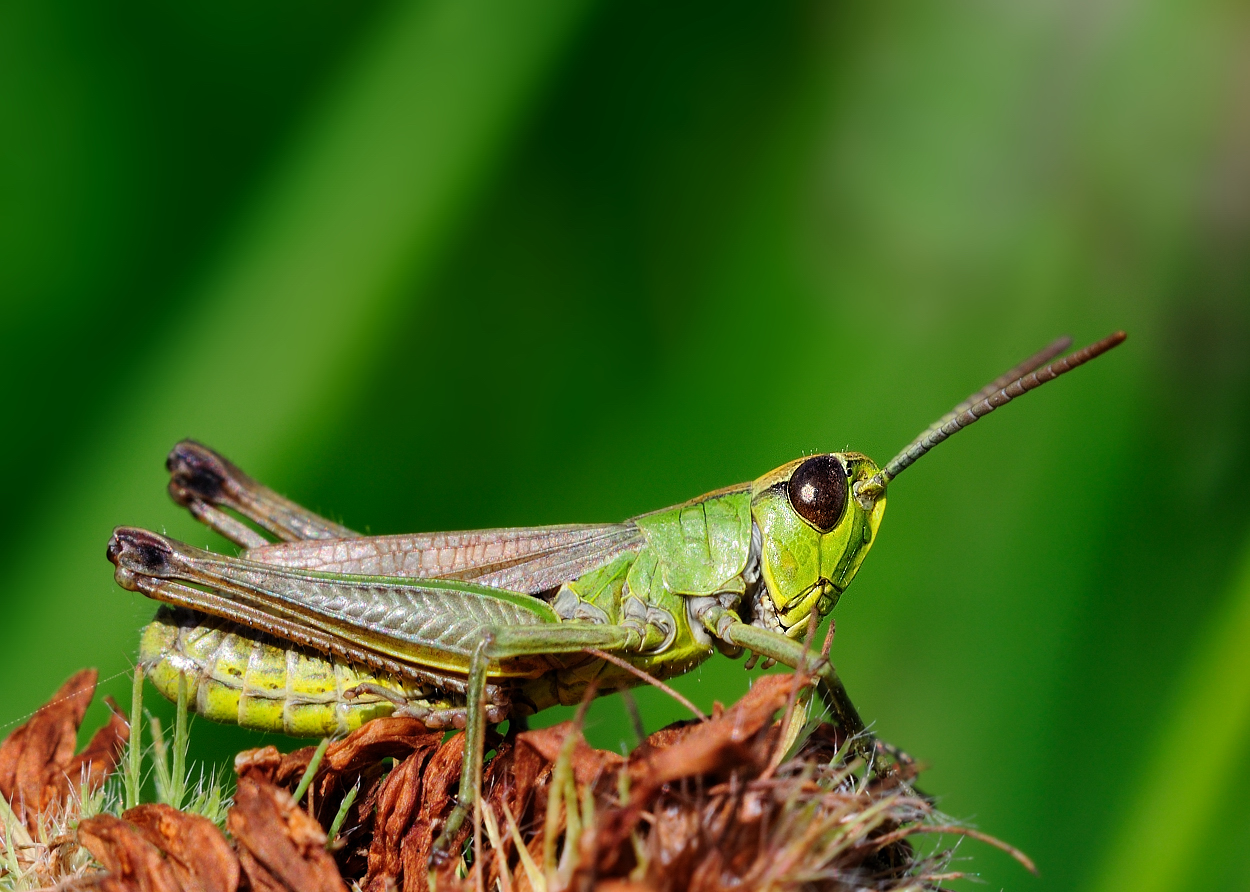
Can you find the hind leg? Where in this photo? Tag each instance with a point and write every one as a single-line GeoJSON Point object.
{"type": "Point", "coordinates": [205, 483]}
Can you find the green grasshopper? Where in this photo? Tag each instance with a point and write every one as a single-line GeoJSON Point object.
{"type": "Point", "coordinates": [325, 629]}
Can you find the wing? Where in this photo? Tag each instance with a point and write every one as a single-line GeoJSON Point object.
{"type": "Point", "coordinates": [434, 623]}
{"type": "Point", "coordinates": [526, 559]}
{"type": "Point", "coordinates": [523, 559]}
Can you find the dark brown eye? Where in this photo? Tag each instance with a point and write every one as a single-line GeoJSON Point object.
{"type": "Point", "coordinates": [818, 491]}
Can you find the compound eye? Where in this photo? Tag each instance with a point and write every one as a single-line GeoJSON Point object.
{"type": "Point", "coordinates": [818, 491]}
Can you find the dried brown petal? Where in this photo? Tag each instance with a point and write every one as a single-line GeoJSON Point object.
{"type": "Point", "coordinates": [261, 763]}
{"type": "Point", "coordinates": [669, 735]}
{"type": "Point", "coordinates": [397, 803]}
{"type": "Point", "coordinates": [717, 746]}
{"type": "Point", "coordinates": [108, 882]}
{"type": "Point", "coordinates": [623, 886]}
{"type": "Point", "coordinates": [357, 757]}
{"type": "Point", "coordinates": [132, 861]}
{"type": "Point", "coordinates": [47, 739]}
{"type": "Point", "coordinates": [37, 763]}
{"type": "Point", "coordinates": [589, 764]}
{"type": "Point", "coordinates": [442, 777]}
{"type": "Point", "coordinates": [736, 741]}
{"type": "Point", "coordinates": [290, 771]}
{"type": "Point", "coordinates": [706, 810]}
{"type": "Point", "coordinates": [256, 876]}
{"type": "Point", "coordinates": [198, 852]}
{"type": "Point", "coordinates": [389, 737]}
{"type": "Point", "coordinates": [280, 846]}
{"type": "Point", "coordinates": [514, 780]}
{"type": "Point", "coordinates": [94, 764]}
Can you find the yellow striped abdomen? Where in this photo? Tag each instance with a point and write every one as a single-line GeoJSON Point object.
{"type": "Point", "coordinates": [241, 677]}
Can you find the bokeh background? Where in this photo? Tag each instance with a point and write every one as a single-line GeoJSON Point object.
{"type": "Point", "coordinates": [446, 265]}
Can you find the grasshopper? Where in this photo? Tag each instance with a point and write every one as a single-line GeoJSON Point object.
{"type": "Point", "coordinates": [324, 629]}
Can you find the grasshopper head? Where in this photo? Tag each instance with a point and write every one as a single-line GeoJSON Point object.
{"type": "Point", "coordinates": [814, 535]}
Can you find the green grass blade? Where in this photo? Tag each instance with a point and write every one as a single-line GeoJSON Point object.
{"type": "Point", "coordinates": [211, 798]}
{"type": "Point", "coordinates": [311, 771]}
{"type": "Point", "coordinates": [178, 771]}
{"type": "Point", "coordinates": [162, 774]}
{"type": "Point", "coordinates": [337, 824]}
{"type": "Point", "coordinates": [1179, 795]}
{"type": "Point", "coordinates": [134, 748]}
{"type": "Point", "coordinates": [15, 835]}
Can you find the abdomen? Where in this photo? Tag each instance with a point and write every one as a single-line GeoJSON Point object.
{"type": "Point", "coordinates": [240, 677]}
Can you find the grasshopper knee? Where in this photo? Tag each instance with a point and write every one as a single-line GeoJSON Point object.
{"type": "Point", "coordinates": [138, 552]}
{"type": "Point", "coordinates": [196, 473]}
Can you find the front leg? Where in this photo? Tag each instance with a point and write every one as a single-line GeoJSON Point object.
{"type": "Point", "coordinates": [728, 627]}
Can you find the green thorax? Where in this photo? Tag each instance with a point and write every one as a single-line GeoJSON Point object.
{"type": "Point", "coordinates": [690, 550]}
{"type": "Point", "coordinates": [702, 546]}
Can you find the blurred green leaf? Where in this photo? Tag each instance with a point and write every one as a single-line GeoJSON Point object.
{"type": "Point", "coordinates": [281, 330]}
{"type": "Point", "coordinates": [1176, 802]}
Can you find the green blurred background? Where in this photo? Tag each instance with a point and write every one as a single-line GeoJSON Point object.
{"type": "Point", "coordinates": [460, 264]}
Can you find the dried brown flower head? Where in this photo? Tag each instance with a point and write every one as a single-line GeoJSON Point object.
{"type": "Point", "coordinates": [701, 805]}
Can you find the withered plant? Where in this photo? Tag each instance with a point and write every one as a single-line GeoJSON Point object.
{"type": "Point", "coordinates": [749, 798]}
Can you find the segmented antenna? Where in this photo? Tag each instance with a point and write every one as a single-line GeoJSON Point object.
{"type": "Point", "coordinates": [1002, 390]}
{"type": "Point", "coordinates": [1036, 361]}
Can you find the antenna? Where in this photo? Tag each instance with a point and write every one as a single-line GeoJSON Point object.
{"type": "Point", "coordinates": [1002, 390]}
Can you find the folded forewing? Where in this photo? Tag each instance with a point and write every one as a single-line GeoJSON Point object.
{"type": "Point", "coordinates": [523, 559]}
{"type": "Point", "coordinates": [435, 623]}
